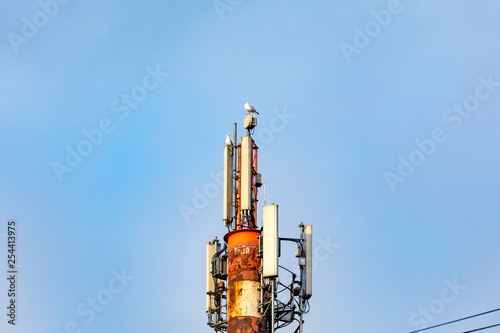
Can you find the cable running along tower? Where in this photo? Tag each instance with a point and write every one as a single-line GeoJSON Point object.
{"type": "Point", "coordinates": [243, 291]}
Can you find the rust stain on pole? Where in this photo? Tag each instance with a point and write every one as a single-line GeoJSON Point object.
{"type": "Point", "coordinates": [244, 283]}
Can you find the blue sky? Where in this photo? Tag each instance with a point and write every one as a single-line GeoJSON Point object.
{"type": "Point", "coordinates": [390, 151]}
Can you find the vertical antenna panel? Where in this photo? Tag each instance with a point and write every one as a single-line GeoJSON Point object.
{"type": "Point", "coordinates": [235, 172]}
{"type": "Point", "coordinates": [246, 172]}
{"type": "Point", "coordinates": [212, 248]}
{"type": "Point", "coordinates": [228, 185]}
{"type": "Point", "coordinates": [270, 237]}
{"type": "Point", "coordinates": [308, 284]}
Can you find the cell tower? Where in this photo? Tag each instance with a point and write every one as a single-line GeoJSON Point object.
{"type": "Point", "coordinates": [254, 299]}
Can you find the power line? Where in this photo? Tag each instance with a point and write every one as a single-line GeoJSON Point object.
{"type": "Point", "coordinates": [457, 320]}
{"type": "Point", "coordinates": [482, 328]}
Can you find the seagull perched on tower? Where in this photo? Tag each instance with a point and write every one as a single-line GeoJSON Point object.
{"type": "Point", "coordinates": [229, 143]}
{"type": "Point", "coordinates": [250, 108]}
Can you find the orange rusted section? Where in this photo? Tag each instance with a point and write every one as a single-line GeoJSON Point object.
{"type": "Point", "coordinates": [243, 283]}
{"type": "Point", "coordinates": [243, 264]}
{"type": "Point", "coordinates": [242, 238]}
{"type": "Point", "coordinates": [246, 325]}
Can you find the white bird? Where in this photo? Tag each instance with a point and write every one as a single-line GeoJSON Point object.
{"type": "Point", "coordinates": [250, 108]}
{"type": "Point", "coordinates": [229, 143]}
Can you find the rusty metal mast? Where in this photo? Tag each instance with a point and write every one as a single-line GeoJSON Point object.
{"type": "Point", "coordinates": [249, 259]}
